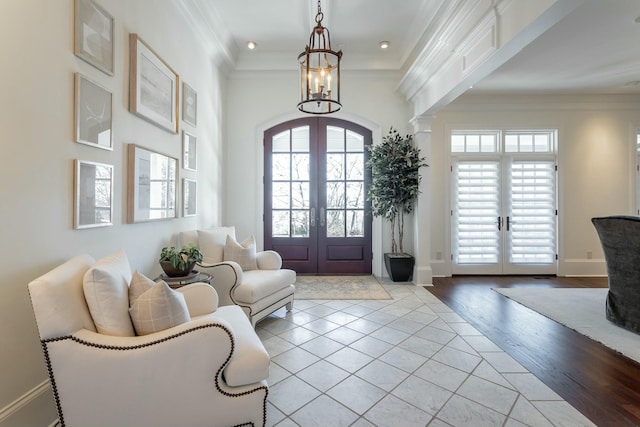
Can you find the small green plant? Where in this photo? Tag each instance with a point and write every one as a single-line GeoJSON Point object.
{"type": "Point", "coordinates": [180, 259]}
{"type": "Point", "coordinates": [395, 181]}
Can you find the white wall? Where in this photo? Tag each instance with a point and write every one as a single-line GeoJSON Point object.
{"type": "Point", "coordinates": [259, 100]}
{"type": "Point", "coordinates": [596, 164]}
{"type": "Point", "coordinates": [36, 177]}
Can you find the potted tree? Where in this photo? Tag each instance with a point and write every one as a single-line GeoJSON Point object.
{"type": "Point", "coordinates": [395, 180]}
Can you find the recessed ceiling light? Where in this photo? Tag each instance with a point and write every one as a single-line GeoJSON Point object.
{"type": "Point", "coordinates": [251, 45]}
{"type": "Point", "coordinates": [384, 44]}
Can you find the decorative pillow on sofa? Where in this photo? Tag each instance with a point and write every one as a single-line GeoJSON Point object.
{"type": "Point", "coordinates": [157, 309]}
{"type": "Point", "coordinates": [211, 243]}
{"type": "Point", "coordinates": [243, 253]}
{"type": "Point", "coordinates": [106, 290]}
{"type": "Point", "coordinates": [139, 285]}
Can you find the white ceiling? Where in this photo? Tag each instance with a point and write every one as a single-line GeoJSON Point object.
{"type": "Point", "coordinates": [595, 49]}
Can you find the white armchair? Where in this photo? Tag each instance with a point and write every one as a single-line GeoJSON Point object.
{"type": "Point", "coordinates": [260, 289]}
{"type": "Point", "coordinates": [209, 371]}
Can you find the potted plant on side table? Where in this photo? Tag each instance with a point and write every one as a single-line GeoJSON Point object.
{"type": "Point", "coordinates": [178, 263]}
{"type": "Point", "coordinates": [395, 181]}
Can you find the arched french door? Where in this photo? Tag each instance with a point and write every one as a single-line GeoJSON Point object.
{"type": "Point", "coordinates": [315, 210]}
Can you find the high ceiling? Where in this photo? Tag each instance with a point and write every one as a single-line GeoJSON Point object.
{"type": "Point", "coordinates": [595, 49]}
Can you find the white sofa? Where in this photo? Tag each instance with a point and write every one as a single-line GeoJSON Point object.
{"type": "Point", "coordinates": [208, 371]}
{"type": "Point", "coordinates": [259, 291]}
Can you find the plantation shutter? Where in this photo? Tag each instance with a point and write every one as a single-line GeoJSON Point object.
{"type": "Point", "coordinates": [531, 217]}
{"type": "Point", "coordinates": [476, 210]}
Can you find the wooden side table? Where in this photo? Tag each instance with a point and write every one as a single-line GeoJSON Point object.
{"type": "Point", "coordinates": [178, 282]}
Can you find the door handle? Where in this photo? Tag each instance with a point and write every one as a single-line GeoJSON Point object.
{"type": "Point", "coordinates": [322, 217]}
{"type": "Point", "coordinates": [508, 223]}
{"type": "Point", "coordinates": [499, 223]}
{"type": "Point", "coordinates": [312, 214]}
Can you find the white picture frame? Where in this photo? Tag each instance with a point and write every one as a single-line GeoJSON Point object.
{"type": "Point", "coordinates": [190, 197]}
{"type": "Point", "coordinates": [153, 86]}
{"type": "Point", "coordinates": [189, 151]}
{"type": "Point", "coordinates": [93, 114]}
{"type": "Point", "coordinates": [93, 194]}
{"type": "Point", "coordinates": [151, 188]}
{"type": "Point", "coordinates": [94, 31]}
{"type": "Point", "coordinates": [189, 105]}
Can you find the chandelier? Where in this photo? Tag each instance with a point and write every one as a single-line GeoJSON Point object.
{"type": "Point", "coordinates": [319, 72]}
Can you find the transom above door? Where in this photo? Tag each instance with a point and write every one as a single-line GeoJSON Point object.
{"type": "Point", "coordinates": [316, 214]}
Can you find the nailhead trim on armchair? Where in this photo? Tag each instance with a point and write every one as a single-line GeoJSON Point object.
{"type": "Point", "coordinates": [135, 347]}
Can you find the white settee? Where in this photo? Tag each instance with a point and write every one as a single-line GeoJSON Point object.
{"type": "Point", "coordinates": [259, 290]}
{"type": "Point", "coordinates": [211, 370]}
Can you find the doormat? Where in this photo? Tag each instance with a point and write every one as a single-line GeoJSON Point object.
{"type": "Point", "coordinates": [340, 287]}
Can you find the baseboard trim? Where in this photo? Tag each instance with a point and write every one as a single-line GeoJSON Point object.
{"type": "Point", "coordinates": [24, 400]}
{"type": "Point", "coordinates": [583, 268]}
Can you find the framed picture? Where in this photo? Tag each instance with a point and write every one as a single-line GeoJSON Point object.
{"type": "Point", "coordinates": [151, 189]}
{"type": "Point", "coordinates": [189, 105]}
{"type": "Point", "coordinates": [189, 153]}
{"type": "Point", "coordinates": [93, 194]}
{"type": "Point", "coordinates": [153, 86]}
{"type": "Point", "coordinates": [93, 118]}
{"type": "Point", "coordinates": [189, 192]}
{"type": "Point", "coordinates": [94, 35]}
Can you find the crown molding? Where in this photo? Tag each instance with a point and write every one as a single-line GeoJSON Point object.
{"type": "Point", "coordinates": [210, 29]}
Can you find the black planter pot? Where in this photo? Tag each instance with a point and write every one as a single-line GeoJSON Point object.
{"type": "Point", "coordinates": [399, 266]}
{"type": "Point", "coordinates": [171, 271]}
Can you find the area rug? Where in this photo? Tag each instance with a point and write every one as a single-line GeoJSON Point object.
{"type": "Point", "coordinates": [340, 287]}
{"type": "Point", "coordinates": [581, 309]}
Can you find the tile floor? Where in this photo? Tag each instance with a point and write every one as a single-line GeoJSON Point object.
{"type": "Point", "coordinates": [409, 361]}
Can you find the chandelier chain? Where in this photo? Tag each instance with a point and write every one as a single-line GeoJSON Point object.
{"type": "Point", "coordinates": [319, 15]}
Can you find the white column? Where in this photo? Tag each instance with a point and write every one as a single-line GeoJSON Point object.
{"type": "Point", "coordinates": [422, 274]}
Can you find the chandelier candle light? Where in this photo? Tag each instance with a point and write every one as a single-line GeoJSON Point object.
{"type": "Point", "coordinates": [319, 72]}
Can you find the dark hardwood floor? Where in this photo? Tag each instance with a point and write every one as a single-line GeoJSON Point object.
{"type": "Point", "coordinates": [599, 382]}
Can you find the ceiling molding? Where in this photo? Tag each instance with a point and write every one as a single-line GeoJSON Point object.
{"type": "Point", "coordinates": [211, 31]}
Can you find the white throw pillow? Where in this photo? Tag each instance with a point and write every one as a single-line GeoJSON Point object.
{"type": "Point", "coordinates": [139, 285]}
{"type": "Point", "coordinates": [211, 243]}
{"type": "Point", "coordinates": [243, 253]}
{"type": "Point", "coordinates": [106, 290]}
{"type": "Point", "coordinates": [158, 309]}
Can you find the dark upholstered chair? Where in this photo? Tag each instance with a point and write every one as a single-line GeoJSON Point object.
{"type": "Point", "coordinates": [620, 239]}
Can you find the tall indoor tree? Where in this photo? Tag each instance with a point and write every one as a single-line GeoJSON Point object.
{"type": "Point", "coordinates": [395, 179]}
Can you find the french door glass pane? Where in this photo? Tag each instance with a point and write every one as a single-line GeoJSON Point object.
{"type": "Point", "coordinates": [335, 139]}
{"type": "Point", "coordinates": [355, 142]}
{"type": "Point", "coordinates": [355, 195]}
{"type": "Point", "coordinates": [345, 183]}
{"type": "Point", "coordinates": [335, 223]}
{"type": "Point", "coordinates": [280, 142]}
{"type": "Point", "coordinates": [300, 223]}
{"type": "Point", "coordinates": [335, 166]}
{"type": "Point", "coordinates": [335, 195]}
{"type": "Point", "coordinates": [355, 220]}
{"type": "Point", "coordinates": [300, 195]}
{"type": "Point", "coordinates": [355, 166]}
{"type": "Point", "coordinates": [532, 219]}
{"type": "Point", "coordinates": [281, 192]}
{"type": "Point", "coordinates": [290, 199]}
{"type": "Point", "coordinates": [280, 223]}
{"type": "Point", "coordinates": [281, 167]}
{"type": "Point", "coordinates": [300, 139]}
{"type": "Point", "coordinates": [300, 166]}
{"type": "Point", "coordinates": [477, 210]}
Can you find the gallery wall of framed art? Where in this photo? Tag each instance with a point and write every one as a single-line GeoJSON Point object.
{"type": "Point", "coordinates": [157, 95]}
